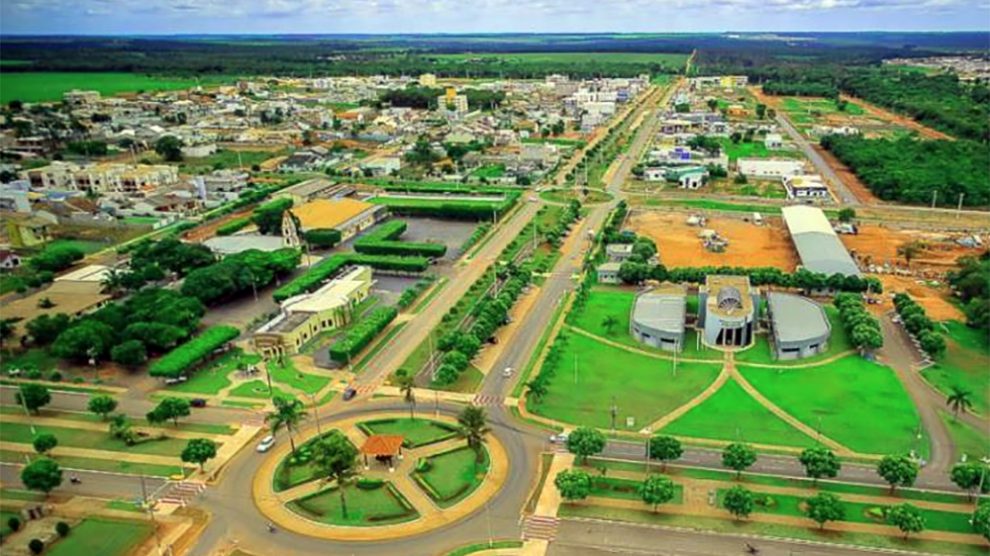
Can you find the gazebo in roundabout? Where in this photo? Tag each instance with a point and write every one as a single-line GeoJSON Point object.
{"type": "Point", "coordinates": [385, 448]}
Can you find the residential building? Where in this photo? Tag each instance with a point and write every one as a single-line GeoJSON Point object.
{"type": "Point", "coordinates": [773, 141]}
{"type": "Point", "coordinates": [427, 80]}
{"type": "Point", "coordinates": [805, 186]}
{"type": "Point", "coordinates": [769, 168]}
{"type": "Point", "coordinates": [452, 104]}
{"type": "Point", "coordinates": [618, 252]}
{"type": "Point", "coordinates": [608, 273]}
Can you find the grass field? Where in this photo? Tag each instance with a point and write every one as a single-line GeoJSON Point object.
{"type": "Point", "coordinates": [805, 110]}
{"type": "Point", "coordinates": [208, 428]}
{"type": "Point", "coordinates": [416, 432]}
{"type": "Point", "coordinates": [256, 389]}
{"type": "Point", "coordinates": [224, 159]}
{"type": "Point", "coordinates": [964, 364]}
{"type": "Point", "coordinates": [846, 400]}
{"type": "Point", "coordinates": [627, 489]}
{"type": "Point", "coordinates": [48, 86]}
{"type": "Point", "coordinates": [215, 377]}
{"type": "Point", "coordinates": [91, 439]}
{"type": "Point", "coordinates": [732, 414]}
{"type": "Point", "coordinates": [103, 536]}
{"type": "Point", "coordinates": [286, 373]}
{"type": "Point", "coordinates": [754, 149]}
{"type": "Point", "coordinates": [968, 440]}
{"type": "Point", "coordinates": [592, 375]}
{"type": "Point", "coordinates": [838, 342]}
{"type": "Point", "coordinates": [453, 475]}
{"type": "Point", "coordinates": [380, 506]}
{"type": "Point", "coordinates": [490, 171]}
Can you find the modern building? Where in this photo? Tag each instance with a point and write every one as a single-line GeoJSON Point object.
{"type": "Point", "coordinates": [452, 103]}
{"type": "Point", "coordinates": [805, 186]}
{"type": "Point", "coordinates": [687, 177]}
{"type": "Point", "coordinates": [769, 168]}
{"type": "Point", "coordinates": [304, 316]}
{"type": "Point", "coordinates": [816, 242]}
{"type": "Point", "coordinates": [608, 273]}
{"type": "Point", "coordinates": [773, 141]}
{"type": "Point", "coordinates": [427, 80]}
{"type": "Point", "coordinates": [658, 317]}
{"type": "Point", "coordinates": [727, 308]}
{"type": "Point", "coordinates": [799, 326]}
{"type": "Point", "coordinates": [348, 216]}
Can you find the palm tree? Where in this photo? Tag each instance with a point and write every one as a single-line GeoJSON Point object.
{"type": "Point", "coordinates": [910, 250]}
{"type": "Point", "coordinates": [406, 383]}
{"type": "Point", "coordinates": [288, 413]}
{"type": "Point", "coordinates": [474, 428]}
{"type": "Point", "coordinates": [959, 400]}
{"type": "Point", "coordinates": [608, 323]}
{"type": "Point", "coordinates": [113, 281]}
{"type": "Point", "coordinates": [334, 457]}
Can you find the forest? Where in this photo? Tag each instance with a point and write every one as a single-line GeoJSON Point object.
{"type": "Point", "coordinates": [910, 170]}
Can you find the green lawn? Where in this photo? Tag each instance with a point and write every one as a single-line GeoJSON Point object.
{"type": "Point", "coordinates": [256, 389]}
{"type": "Point", "coordinates": [968, 440]}
{"type": "Point", "coordinates": [804, 109]}
{"type": "Point", "coordinates": [838, 342]}
{"type": "Point", "coordinates": [208, 428]}
{"type": "Point", "coordinates": [85, 245]}
{"type": "Point", "coordinates": [103, 536]}
{"type": "Point", "coordinates": [483, 546]}
{"type": "Point", "coordinates": [32, 359]}
{"type": "Point", "coordinates": [5, 518]}
{"type": "Point", "coordinates": [416, 432]}
{"type": "Point", "coordinates": [964, 364]}
{"type": "Point", "coordinates": [468, 381]}
{"type": "Point", "coordinates": [591, 375]}
{"type": "Point", "coordinates": [626, 489]}
{"type": "Point", "coordinates": [490, 171]}
{"type": "Point", "coordinates": [48, 86]}
{"type": "Point", "coordinates": [286, 373]}
{"type": "Point", "coordinates": [296, 470]}
{"type": "Point", "coordinates": [381, 506]}
{"type": "Point", "coordinates": [754, 149]}
{"type": "Point", "coordinates": [848, 399]}
{"type": "Point", "coordinates": [732, 414]}
{"type": "Point", "coordinates": [215, 377]}
{"type": "Point", "coordinates": [594, 196]}
{"type": "Point", "coordinates": [91, 439]}
{"type": "Point", "coordinates": [224, 159]}
{"type": "Point", "coordinates": [453, 475]}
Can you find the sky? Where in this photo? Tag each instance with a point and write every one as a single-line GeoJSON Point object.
{"type": "Point", "coordinates": [129, 17]}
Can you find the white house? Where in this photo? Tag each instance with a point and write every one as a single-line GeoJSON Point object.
{"type": "Point", "coordinates": [769, 168]}
{"type": "Point", "coordinates": [805, 186]}
{"type": "Point", "coordinates": [773, 141]}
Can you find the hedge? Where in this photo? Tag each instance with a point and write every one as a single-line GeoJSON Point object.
{"type": "Point", "coordinates": [384, 240]}
{"type": "Point", "coordinates": [458, 209]}
{"type": "Point", "coordinates": [313, 278]}
{"type": "Point", "coordinates": [235, 225]}
{"type": "Point", "coordinates": [322, 237]}
{"type": "Point", "coordinates": [189, 354]}
{"type": "Point", "coordinates": [361, 334]}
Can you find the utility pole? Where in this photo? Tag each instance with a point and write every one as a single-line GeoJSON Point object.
{"type": "Point", "coordinates": [934, 197]}
{"type": "Point", "coordinates": [151, 515]}
{"type": "Point", "coordinates": [614, 410]}
{"type": "Point", "coordinates": [575, 368]}
{"type": "Point", "coordinates": [316, 413]}
{"type": "Point", "coordinates": [959, 208]}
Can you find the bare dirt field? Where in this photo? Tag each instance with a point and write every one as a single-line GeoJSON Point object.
{"type": "Point", "coordinates": [206, 231]}
{"type": "Point", "coordinates": [878, 245]}
{"type": "Point", "coordinates": [749, 245]}
{"type": "Point", "coordinates": [935, 301]}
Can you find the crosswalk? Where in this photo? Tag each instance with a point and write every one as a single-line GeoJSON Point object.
{"type": "Point", "coordinates": [366, 389]}
{"type": "Point", "coordinates": [538, 527]}
{"type": "Point", "coordinates": [182, 492]}
{"type": "Point", "coordinates": [487, 400]}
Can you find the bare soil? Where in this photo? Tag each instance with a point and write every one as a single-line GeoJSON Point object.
{"type": "Point", "coordinates": [749, 245]}
{"type": "Point", "coordinates": [206, 231]}
{"type": "Point", "coordinates": [876, 244]}
{"type": "Point", "coordinates": [936, 301]}
{"type": "Point", "coordinates": [874, 110]}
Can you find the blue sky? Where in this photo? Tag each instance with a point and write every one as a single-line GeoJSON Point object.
{"type": "Point", "coordinates": [426, 16]}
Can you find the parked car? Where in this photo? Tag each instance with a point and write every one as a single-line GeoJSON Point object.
{"type": "Point", "coordinates": [349, 394]}
{"type": "Point", "coordinates": [175, 380]}
{"type": "Point", "coordinates": [558, 438]}
{"type": "Point", "coordinates": [197, 402]}
{"type": "Point", "coordinates": [266, 444]}
{"type": "Point", "coordinates": [507, 372]}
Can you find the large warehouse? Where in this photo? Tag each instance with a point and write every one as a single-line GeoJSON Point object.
{"type": "Point", "coordinates": [817, 243]}
{"type": "Point", "coordinates": [658, 317]}
{"type": "Point", "coordinates": [727, 310]}
{"type": "Point", "coordinates": [799, 326]}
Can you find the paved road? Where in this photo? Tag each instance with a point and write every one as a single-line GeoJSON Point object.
{"type": "Point", "coordinates": [846, 197]}
{"type": "Point", "coordinates": [599, 538]}
{"type": "Point", "coordinates": [93, 483]}
{"type": "Point", "coordinates": [235, 516]}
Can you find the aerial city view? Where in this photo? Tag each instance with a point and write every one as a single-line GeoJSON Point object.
{"type": "Point", "coordinates": [428, 278]}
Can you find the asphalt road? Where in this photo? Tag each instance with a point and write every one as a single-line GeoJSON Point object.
{"type": "Point", "coordinates": [846, 197]}
{"type": "Point", "coordinates": [93, 483]}
{"type": "Point", "coordinates": [599, 538]}
{"type": "Point", "coordinates": [236, 518]}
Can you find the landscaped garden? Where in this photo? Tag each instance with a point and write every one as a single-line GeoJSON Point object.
{"type": "Point", "coordinates": [369, 503]}
{"type": "Point", "coordinates": [858, 403]}
{"type": "Point", "coordinates": [964, 365]}
{"type": "Point", "coordinates": [450, 476]}
{"type": "Point", "coordinates": [967, 440]}
{"type": "Point", "coordinates": [416, 432]}
{"type": "Point", "coordinates": [215, 377]}
{"type": "Point", "coordinates": [297, 468]}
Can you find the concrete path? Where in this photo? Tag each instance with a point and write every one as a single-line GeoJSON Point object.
{"type": "Point", "coordinates": [669, 418]}
{"type": "Point", "coordinates": [636, 350]}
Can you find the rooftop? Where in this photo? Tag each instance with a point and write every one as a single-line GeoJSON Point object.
{"type": "Point", "coordinates": [327, 213]}
{"type": "Point", "coordinates": [796, 318]}
{"type": "Point", "coordinates": [662, 309]}
{"type": "Point", "coordinates": [817, 243]}
{"type": "Point", "coordinates": [728, 295]}
{"type": "Point", "coordinates": [382, 445]}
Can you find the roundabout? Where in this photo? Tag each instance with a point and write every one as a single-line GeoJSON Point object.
{"type": "Point", "coordinates": [410, 476]}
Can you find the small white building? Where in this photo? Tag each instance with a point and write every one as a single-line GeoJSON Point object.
{"type": "Point", "coordinates": [769, 168]}
{"type": "Point", "coordinates": [608, 273]}
{"type": "Point", "coordinates": [773, 141]}
{"type": "Point", "coordinates": [805, 186]}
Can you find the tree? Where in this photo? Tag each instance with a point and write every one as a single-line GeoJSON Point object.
{"type": "Point", "coordinates": [959, 400]}
{"type": "Point", "coordinates": [288, 413]}
{"type": "Point", "coordinates": [981, 519]}
{"type": "Point", "coordinates": [819, 462]}
{"type": "Point", "coordinates": [170, 148]}
{"type": "Point", "coordinates": [199, 451]}
{"type": "Point", "coordinates": [406, 384]}
{"type": "Point", "coordinates": [665, 448]}
{"type": "Point", "coordinates": [712, 104]}
{"type": "Point", "coordinates": [585, 441]}
{"type": "Point", "coordinates": [42, 474]}
{"type": "Point", "coordinates": [36, 546]}
{"type": "Point", "coordinates": [656, 490]}
{"type": "Point", "coordinates": [573, 484]}
{"type": "Point", "coordinates": [898, 471]}
{"type": "Point", "coordinates": [971, 475]}
{"type": "Point", "coordinates": [473, 427]}
{"type": "Point", "coordinates": [102, 405]}
{"type": "Point", "coordinates": [739, 501]}
{"type": "Point", "coordinates": [932, 343]}
{"type": "Point", "coordinates": [907, 518]}
{"type": "Point", "coordinates": [170, 408]}
{"type": "Point", "coordinates": [44, 329]}
{"type": "Point", "coordinates": [62, 528]}
{"type": "Point", "coordinates": [33, 396]}
{"type": "Point", "coordinates": [761, 110]}
{"type": "Point", "coordinates": [44, 443]}
{"type": "Point", "coordinates": [847, 214]}
{"type": "Point", "coordinates": [130, 353]}
{"type": "Point", "coordinates": [824, 507]}
{"type": "Point", "coordinates": [910, 250]}
{"type": "Point", "coordinates": [86, 339]}
{"type": "Point", "coordinates": [334, 458]}
{"type": "Point", "coordinates": [608, 323]}
{"type": "Point", "coordinates": [739, 457]}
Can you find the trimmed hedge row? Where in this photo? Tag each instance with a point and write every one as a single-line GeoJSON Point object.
{"type": "Point", "coordinates": [385, 241]}
{"type": "Point", "coordinates": [313, 278]}
{"type": "Point", "coordinates": [917, 323]}
{"type": "Point", "coordinates": [323, 238]}
{"type": "Point", "coordinates": [361, 334]}
{"type": "Point", "coordinates": [453, 209]}
{"type": "Point", "coordinates": [189, 354]}
{"type": "Point", "coordinates": [234, 226]}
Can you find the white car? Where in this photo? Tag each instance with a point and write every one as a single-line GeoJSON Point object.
{"type": "Point", "coordinates": [266, 444]}
{"type": "Point", "coordinates": [507, 372]}
{"type": "Point", "coordinates": [558, 438]}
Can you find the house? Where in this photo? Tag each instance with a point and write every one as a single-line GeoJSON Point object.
{"type": "Point", "coordinates": [9, 259]}
{"type": "Point", "coordinates": [381, 166]}
{"type": "Point", "coordinates": [608, 273]}
{"type": "Point", "coordinates": [773, 141]}
{"type": "Point", "coordinates": [769, 168]}
{"type": "Point", "coordinates": [315, 188]}
{"type": "Point", "coordinates": [690, 177]}
{"type": "Point", "coordinates": [30, 230]}
{"type": "Point", "coordinates": [618, 252]}
{"type": "Point", "coordinates": [736, 111]}
{"type": "Point", "coordinates": [805, 186]}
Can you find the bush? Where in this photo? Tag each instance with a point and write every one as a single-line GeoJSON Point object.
{"type": "Point", "coordinates": [191, 353]}
{"type": "Point", "coordinates": [36, 546]}
{"type": "Point", "coordinates": [33, 374]}
{"type": "Point", "coordinates": [233, 226]}
{"type": "Point", "coordinates": [365, 483]}
{"type": "Point", "coordinates": [55, 376]}
{"type": "Point", "coordinates": [362, 333]}
{"type": "Point", "coordinates": [384, 241]}
{"type": "Point", "coordinates": [62, 528]}
{"type": "Point", "coordinates": [14, 523]}
{"type": "Point", "coordinates": [323, 238]}
{"type": "Point", "coordinates": [313, 278]}
{"type": "Point", "coordinates": [423, 465]}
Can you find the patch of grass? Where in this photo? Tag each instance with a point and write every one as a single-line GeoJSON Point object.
{"type": "Point", "coordinates": [4, 519]}
{"type": "Point", "coordinates": [732, 414]}
{"type": "Point", "coordinates": [214, 378]}
{"type": "Point", "coordinates": [380, 506]}
{"type": "Point", "coordinates": [226, 159]}
{"type": "Point", "coordinates": [592, 375]}
{"type": "Point", "coordinates": [286, 373]}
{"type": "Point", "coordinates": [91, 439]}
{"type": "Point", "coordinates": [483, 546]}
{"type": "Point", "coordinates": [109, 465]}
{"type": "Point", "coordinates": [468, 381]}
{"type": "Point", "coordinates": [85, 245]}
{"type": "Point", "coordinates": [964, 365]}
{"type": "Point", "coordinates": [626, 489]}
{"type": "Point", "coordinates": [19, 494]}
{"type": "Point", "coordinates": [754, 149]}
{"type": "Point", "coordinates": [46, 86]}
{"type": "Point", "coordinates": [453, 475]}
{"type": "Point", "coordinates": [255, 389]}
{"type": "Point", "coordinates": [34, 358]}
{"type": "Point", "coordinates": [240, 404]}
{"type": "Point", "coordinates": [289, 472]}
{"type": "Point", "coordinates": [540, 345]}
{"type": "Point", "coordinates": [968, 440]}
{"type": "Point", "coordinates": [208, 428]}
{"type": "Point", "coordinates": [379, 345]}
{"type": "Point", "coordinates": [123, 506]}
{"type": "Point", "coordinates": [415, 432]}
{"type": "Point", "coordinates": [490, 171]}
{"type": "Point", "coordinates": [103, 536]}
{"type": "Point", "coordinates": [841, 399]}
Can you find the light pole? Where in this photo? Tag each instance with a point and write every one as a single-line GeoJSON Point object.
{"type": "Point", "coordinates": [316, 414]}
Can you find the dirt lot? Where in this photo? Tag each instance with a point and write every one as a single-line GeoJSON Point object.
{"type": "Point", "coordinates": [878, 245]}
{"type": "Point", "coordinates": [749, 245]}
{"type": "Point", "coordinates": [935, 300]}
{"type": "Point", "coordinates": [208, 230]}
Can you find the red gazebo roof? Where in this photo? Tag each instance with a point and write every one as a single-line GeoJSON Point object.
{"type": "Point", "coordinates": [382, 445]}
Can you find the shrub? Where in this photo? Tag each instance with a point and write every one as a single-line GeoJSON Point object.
{"type": "Point", "coordinates": [62, 528]}
{"type": "Point", "coordinates": [323, 238]}
{"type": "Point", "coordinates": [233, 226]}
{"type": "Point", "coordinates": [55, 376]}
{"type": "Point", "coordinates": [423, 465]}
{"type": "Point", "coordinates": [365, 483]}
{"type": "Point", "coordinates": [33, 374]}
{"type": "Point", "coordinates": [384, 241]}
{"type": "Point", "coordinates": [362, 333]}
{"type": "Point", "coordinates": [189, 354]}
{"type": "Point", "coordinates": [36, 546]}
{"type": "Point", "coordinates": [14, 523]}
